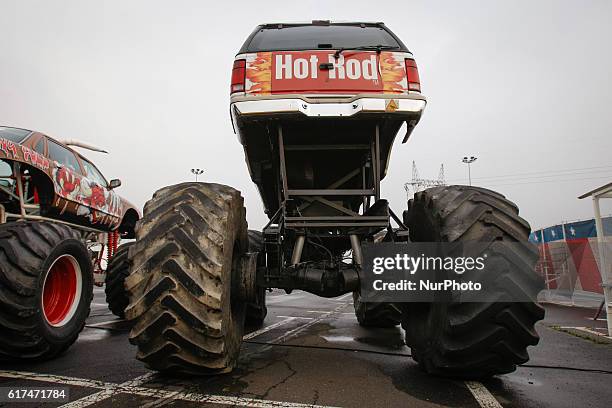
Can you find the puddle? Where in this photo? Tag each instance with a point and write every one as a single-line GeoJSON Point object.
{"type": "Point", "coordinates": [93, 335]}
{"type": "Point", "coordinates": [338, 339]}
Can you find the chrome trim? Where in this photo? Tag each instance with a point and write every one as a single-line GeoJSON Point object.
{"type": "Point", "coordinates": [346, 108]}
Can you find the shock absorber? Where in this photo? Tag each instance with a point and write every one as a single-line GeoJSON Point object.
{"type": "Point", "coordinates": [109, 246]}
{"type": "Point", "coordinates": [112, 243]}
{"type": "Point", "coordinates": [115, 241]}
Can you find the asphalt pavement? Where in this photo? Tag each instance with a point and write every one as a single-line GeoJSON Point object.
{"type": "Point", "coordinates": [312, 352]}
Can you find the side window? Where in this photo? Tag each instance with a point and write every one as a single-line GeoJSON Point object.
{"type": "Point", "coordinates": [6, 171]}
{"type": "Point", "coordinates": [40, 146]}
{"type": "Point", "coordinates": [93, 174]}
{"type": "Point", "coordinates": [63, 156]}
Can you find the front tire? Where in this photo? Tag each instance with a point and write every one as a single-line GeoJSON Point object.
{"type": "Point", "coordinates": [474, 340]}
{"type": "Point", "coordinates": [46, 287]}
{"type": "Point", "coordinates": [182, 287]}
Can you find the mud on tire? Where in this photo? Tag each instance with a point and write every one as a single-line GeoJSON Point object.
{"type": "Point", "coordinates": [183, 266]}
{"type": "Point", "coordinates": [474, 340]}
{"type": "Point", "coordinates": [118, 269]}
{"type": "Point", "coordinates": [45, 289]}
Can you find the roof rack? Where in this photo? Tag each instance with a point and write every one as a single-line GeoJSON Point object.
{"type": "Point", "coordinates": [281, 25]}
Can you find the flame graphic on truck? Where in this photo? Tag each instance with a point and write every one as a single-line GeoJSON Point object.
{"type": "Point", "coordinates": [393, 72]}
{"type": "Point", "coordinates": [259, 73]}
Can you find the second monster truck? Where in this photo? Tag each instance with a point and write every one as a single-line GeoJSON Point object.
{"type": "Point", "coordinates": [317, 108]}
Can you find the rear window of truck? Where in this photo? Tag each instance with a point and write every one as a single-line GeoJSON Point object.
{"type": "Point", "coordinates": [313, 37]}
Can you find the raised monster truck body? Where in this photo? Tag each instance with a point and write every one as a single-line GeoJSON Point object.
{"type": "Point", "coordinates": [317, 107]}
{"type": "Point", "coordinates": [59, 219]}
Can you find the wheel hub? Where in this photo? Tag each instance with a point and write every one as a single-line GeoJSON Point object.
{"type": "Point", "coordinates": [61, 290]}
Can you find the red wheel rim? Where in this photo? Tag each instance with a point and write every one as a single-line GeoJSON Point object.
{"type": "Point", "coordinates": [61, 290]}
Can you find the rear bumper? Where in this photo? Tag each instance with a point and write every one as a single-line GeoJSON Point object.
{"type": "Point", "coordinates": [409, 106]}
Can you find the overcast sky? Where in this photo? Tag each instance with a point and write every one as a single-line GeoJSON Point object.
{"type": "Point", "coordinates": [524, 86]}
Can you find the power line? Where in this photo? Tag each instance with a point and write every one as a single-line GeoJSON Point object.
{"type": "Point", "coordinates": [548, 181]}
{"type": "Point", "coordinates": [535, 174]}
{"type": "Point", "coordinates": [551, 177]}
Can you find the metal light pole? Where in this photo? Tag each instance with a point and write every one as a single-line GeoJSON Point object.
{"type": "Point", "coordinates": [468, 161]}
{"type": "Point", "coordinates": [197, 172]}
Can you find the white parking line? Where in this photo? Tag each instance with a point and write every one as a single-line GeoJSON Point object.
{"type": "Point", "coordinates": [297, 330]}
{"type": "Point", "coordinates": [108, 392]}
{"type": "Point", "coordinates": [127, 388]}
{"type": "Point", "coordinates": [134, 386]}
{"type": "Point", "coordinates": [267, 328]}
{"type": "Point", "coordinates": [242, 402]}
{"type": "Point", "coordinates": [60, 379]}
{"type": "Point", "coordinates": [294, 332]}
{"type": "Point", "coordinates": [483, 396]}
{"type": "Point", "coordinates": [104, 323]}
{"type": "Point", "coordinates": [297, 317]}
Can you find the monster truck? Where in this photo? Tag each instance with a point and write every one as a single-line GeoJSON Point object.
{"type": "Point", "coordinates": [317, 108]}
{"type": "Point", "coordinates": [57, 215]}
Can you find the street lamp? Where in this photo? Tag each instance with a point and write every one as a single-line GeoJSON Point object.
{"type": "Point", "coordinates": [468, 161]}
{"type": "Point", "coordinates": [197, 172]}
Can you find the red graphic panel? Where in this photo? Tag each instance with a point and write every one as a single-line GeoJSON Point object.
{"type": "Point", "coordinates": [301, 72]}
{"type": "Point", "coordinates": [586, 265]}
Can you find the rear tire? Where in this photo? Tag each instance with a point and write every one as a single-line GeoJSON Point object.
{"type": "Point", "coordinates": [375, 314]}
{"type": "Point", "coordinates": [257, 311]}
{"type": "Point", "coordinates": [474, 340]}
{"type": "Point", "coordinates": [182, 287]}
{"type": "Point", "coordinates": [118, 269]}
{"type": "Point", "coordinates": [46, 287]}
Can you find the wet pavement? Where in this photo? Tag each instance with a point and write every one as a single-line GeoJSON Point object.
{"type": "Point", "coordinates": [311, 351]}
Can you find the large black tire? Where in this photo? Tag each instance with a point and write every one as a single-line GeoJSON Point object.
{"type": "Point", "coordinates": [118, 269]}
{"type": "Point", "coordinates": [376, 314]}
{"type": "Point", "coordinates": [37, 258]}
{"type": "Point", "coordinates": [185, 266]}
{"type": "Point", "coordinates": [474, 340]}
{"type": "Point", "coordinates": [257, 311]}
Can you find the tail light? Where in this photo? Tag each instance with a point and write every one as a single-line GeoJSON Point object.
{"type": "Point", "coordinates": [412, 73]}
{"type": "Point", "coordinates": [238, 75]}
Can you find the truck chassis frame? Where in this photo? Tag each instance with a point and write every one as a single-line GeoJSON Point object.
{"type": "Point", "coordinates": [288, 230]}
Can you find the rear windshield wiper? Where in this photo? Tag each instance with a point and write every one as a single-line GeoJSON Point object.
{"type": "Point", "coordinates": [377, 48]}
